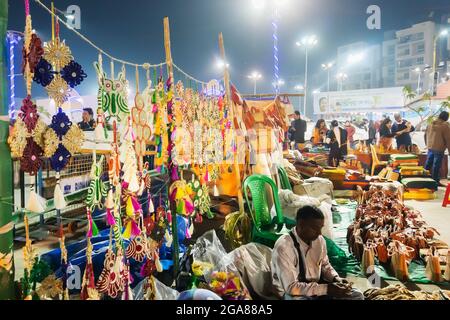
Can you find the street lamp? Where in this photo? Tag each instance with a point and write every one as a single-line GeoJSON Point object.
{"type": "Point", "coordinates": [299, 88]}
{"type": "Point", "coordinates": [308, 43]}
{"type": "Point", "coordinates": [341, 76]}
{"type": "Point", "coordinates": [327, 67]}
{"type": "Point", "coordinates": [255, 76]}
{"type": "Point", "coordinates": [222, 65]}
{"type": "Point", "coordinates": [419, 74]}
{"type": "Point", "coordinates": [442, 34]}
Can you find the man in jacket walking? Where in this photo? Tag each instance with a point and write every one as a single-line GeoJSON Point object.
{"type": "Point", "coordinates": [437, 138]}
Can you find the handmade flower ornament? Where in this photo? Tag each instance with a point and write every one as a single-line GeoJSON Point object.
{"type": "Point", "coordinates": [73, 74]}
{"type": "Point", "coordinates": [43, 73]}
{"type": "Point", "coordinates": [57, 53]}
{"type": "Point", "coordinates": [58, 90]}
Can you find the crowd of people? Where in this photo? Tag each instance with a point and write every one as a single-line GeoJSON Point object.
{"type": "Point", "coordinates": [382, 133]}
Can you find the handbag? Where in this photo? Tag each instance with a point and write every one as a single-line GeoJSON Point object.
{"type": "Point", "coordinates": [433, 269]}
{"type": "Point", "coordinates": [400, 258]}
{"type": "Point", "coordinates": [381, 250]}
{"type": "Point", "coordinates": [447, 268]}
{"type": "Point", "coordinates": [368, 258]}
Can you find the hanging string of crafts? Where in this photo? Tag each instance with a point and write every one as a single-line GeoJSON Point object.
{"type": "Point", "coordinates": [26, 139]}
{"type": "Point", "coordinates": [160, 99]}
{"type": "Point", "coordinates": [62, 138]}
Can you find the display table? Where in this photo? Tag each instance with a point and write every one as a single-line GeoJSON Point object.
{"type": "Point", "coordinates": [366, 160]}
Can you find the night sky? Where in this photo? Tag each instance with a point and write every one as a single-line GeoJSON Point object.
{"type": "Point", "coordinates": [133, 30]}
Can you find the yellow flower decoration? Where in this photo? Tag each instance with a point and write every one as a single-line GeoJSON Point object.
{"type": "Point", "coordinates": [6, 261]}
{"type": "Point", "coordinates": [38, 133]}
{"type": "Point", "coordinates": [57, 53]}
{"type": "Point", "coordinates": [72, 139]}
{"type": "Point", "coordinates": [18, 138]}
{"type": "Point", "coordinates": [58, 90]}
{"type": "Point", "coordinates": [50, 287]}
{"type": "Point", "coordinates": [51, 143]}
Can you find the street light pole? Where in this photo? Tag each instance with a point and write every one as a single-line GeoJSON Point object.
{"type": "Point", "coordinates": [443, 33]}
{"type": "Point", "coordinates": [306, 82]}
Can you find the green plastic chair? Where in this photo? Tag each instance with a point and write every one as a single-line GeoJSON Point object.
{"type": "Point", "coordinates": [265, 229]}
{"type": "Point", "coordinates": [284, 180]}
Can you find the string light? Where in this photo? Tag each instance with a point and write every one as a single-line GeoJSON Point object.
{"type": "Point", "coordinates": [276, 67]}
{"type": "Point", "coordinates": [13, 39]}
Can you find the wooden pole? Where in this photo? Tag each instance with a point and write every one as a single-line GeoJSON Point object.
{"type": "Point", "coordinates": [173, 209]}
{"type": "Point", "coordinates": [233, 115]}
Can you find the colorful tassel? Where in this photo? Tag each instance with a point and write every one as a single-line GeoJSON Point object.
{"type": "Point", "coordinates": [206, 178]}
{"type": "Point", "coordinates": [189, 207]}
{"type": "Point", "coordinates": [129, 208]}
{"type": "Point", "coordinates": [110, 217]}
{"type": "Point", "coordinates": [174, 175]}
{"type": "Point", "coordinates": [151, 207]}
{"type": "Point", "coordinates": [136, 205]}
{"type": "Point", "coordinates": [135, 230]}
{"type": "Point", "coordinates": [59, 200]}
{"type": "Point", "coordinates": [134, 184]}
{"type": "Point", "coordinates": [127, 233]}
{"type": "Point", "coordinates": [36, 203]}
{"type": "Point", "coordinates": [216, 191]}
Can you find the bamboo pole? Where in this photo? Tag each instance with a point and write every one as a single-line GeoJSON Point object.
{"type": "Point", "coordinates": [6, 187]}
{"type": "Point", "coordinates": [233, 115]}
{"type": "Point", "coordinates": [173, 210]}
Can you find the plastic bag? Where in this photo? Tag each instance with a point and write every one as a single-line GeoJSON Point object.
{"type": "Point", "coordinates": [253, 262]}
{"type": "Point", "coordinates": [217, 267]}
{"type": "Point", "coordinates": [162, 291]}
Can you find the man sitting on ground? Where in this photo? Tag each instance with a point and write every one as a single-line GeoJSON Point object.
{"type": "Point", "coordinates": [300, 266]}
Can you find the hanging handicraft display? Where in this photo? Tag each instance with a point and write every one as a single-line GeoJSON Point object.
{"type": "Point", "coordinates": [26, 139]}
{"type": "Point", "coordinates": [112, 94]}
{"type": "Point", "coordinates": [161, 135]}
{"type": "Point", "coordinates": [88, 289]}
{"type": "Point", "coordinates": [97, 190]}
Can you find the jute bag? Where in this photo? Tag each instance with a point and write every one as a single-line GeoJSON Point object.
{"type": "Point", "coordinates": [447, 268]}
{"type": "Point", "coordinates": [368, 258]}
{"type": "Point", "coordinates": [433, 269]}
{"type": "Point", "coordinates": [400, 258]}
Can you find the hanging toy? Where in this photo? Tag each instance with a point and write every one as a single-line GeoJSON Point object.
{"type": "Point", "coordinates": [88, 289]}
{"type": "Point", "coordinates": [100, 132]}
{"type": "Point", "coordinates": [202, 200]}
{"type": "Point", "coordinates": [92, 227]}
{"type": "Point", "coordinates": [140, 124]}
{"type": "Point", "coordinates": [97, 189]}
{"type": "Point", "coordinates": [108, 264]}
{"type": "Point", "coordinates": [180, 192]}
{"type": "Point", "coordinates": [112, 94]}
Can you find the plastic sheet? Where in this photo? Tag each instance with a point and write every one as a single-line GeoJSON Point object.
{"type": "Point", "coordinates": [253, 262]}
{"type": "Point", "coordinates": [163, 292]}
